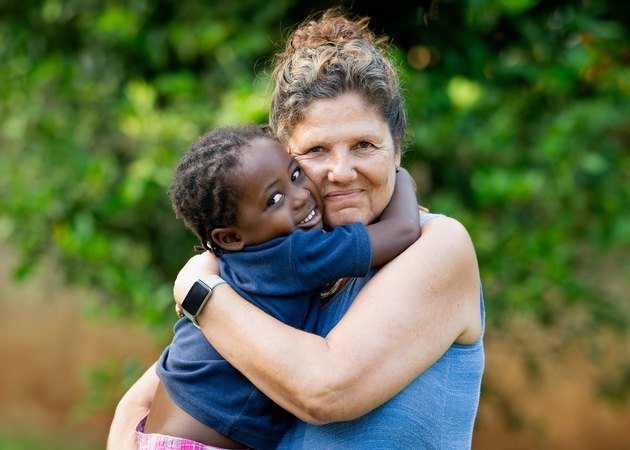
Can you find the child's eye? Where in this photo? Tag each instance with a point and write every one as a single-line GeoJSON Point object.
{"type": "Point", "coordinates": [296, 174]}
{"type": "Point", "coordinates": [275, 198]}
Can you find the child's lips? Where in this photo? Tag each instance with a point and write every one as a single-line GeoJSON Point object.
{"type": "Point", "coordinates": [309, 217]}
{"type": "Point", "coordinates": [312, 218]}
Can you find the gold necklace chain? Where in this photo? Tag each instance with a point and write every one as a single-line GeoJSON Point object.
{"type": "Point", "coordinates": [327, 293]}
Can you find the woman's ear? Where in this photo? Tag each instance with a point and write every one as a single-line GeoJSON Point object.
{"type": "Point", "coordinates": [228, 239]}
{"type": "Point", "coordinates": [397, 156]}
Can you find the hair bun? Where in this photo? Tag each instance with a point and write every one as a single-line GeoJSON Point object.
{"type": "Point", "coordinates": [332, 28]}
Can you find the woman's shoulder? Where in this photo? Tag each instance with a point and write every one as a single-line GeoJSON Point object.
{"type": "Point", "coordinates": [439, 227]}
{"type": "Point", "coordinates": [448, 245]}
{"type": "Point", "coordinates": [453, 263]}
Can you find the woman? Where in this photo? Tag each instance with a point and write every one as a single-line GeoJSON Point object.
{"type": "Point", "coordinates": [398, 358]}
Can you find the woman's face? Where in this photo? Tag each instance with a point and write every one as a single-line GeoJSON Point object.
{"type": "Point", "coordinates": [347, 150]}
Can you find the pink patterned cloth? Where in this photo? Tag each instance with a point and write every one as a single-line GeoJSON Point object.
{"type": "Point", "coordinates": [154, 441]}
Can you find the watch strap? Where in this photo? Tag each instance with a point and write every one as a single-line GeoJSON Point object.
{"type": "Point", "coordinates": [212, 281]}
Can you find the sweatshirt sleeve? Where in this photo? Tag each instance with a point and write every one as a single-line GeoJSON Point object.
{"type": "Point", "coordinates": [318, 257]}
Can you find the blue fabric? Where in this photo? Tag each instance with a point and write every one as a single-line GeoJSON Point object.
{"type": "Point", "coordinates": [435, 411]}
{"type": "Point", "coordinates": [281, 277]}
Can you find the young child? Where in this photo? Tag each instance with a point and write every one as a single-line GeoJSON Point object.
{"type": "Point", "coordinates": [250, 204]}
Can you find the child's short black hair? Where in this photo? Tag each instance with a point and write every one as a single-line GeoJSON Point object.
{"type": "Point", "coordinates": [204, 194]}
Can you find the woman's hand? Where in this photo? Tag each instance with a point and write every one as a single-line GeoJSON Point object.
{"type": "Point", "coordinates": [198, 266]}
{"type": "Point", "coordinates": [133, 406]}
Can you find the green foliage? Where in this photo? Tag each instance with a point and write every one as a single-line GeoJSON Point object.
{"type": "Point", "coordinates": [99, 99]}
{"type": "Point", "coordinates": [522, 129]}
{"type": "Point", "coordinates": [519, 113]}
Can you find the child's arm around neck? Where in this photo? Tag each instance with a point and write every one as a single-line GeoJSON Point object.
{"type": "Point", "coordinates": [399, 224]}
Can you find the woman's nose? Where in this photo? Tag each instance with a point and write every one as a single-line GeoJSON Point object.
{"type": "Point", "coordinates": [341, 169]}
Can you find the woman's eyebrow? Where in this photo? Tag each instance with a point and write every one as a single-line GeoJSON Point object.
{"type": "Point", "coordinates": [294, 150]}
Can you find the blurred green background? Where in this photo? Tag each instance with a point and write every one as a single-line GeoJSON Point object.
{"type": "Point", "coordinates": [519, 116]}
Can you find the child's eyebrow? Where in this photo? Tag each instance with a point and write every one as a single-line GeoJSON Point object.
{"type": "Point", "coordinates": [274, 182]}
{"type": "Point", "coordinates": [270, 185]}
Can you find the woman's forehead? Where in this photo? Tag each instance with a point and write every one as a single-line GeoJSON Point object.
{"type": "Point", "coordinates": [346, 118]}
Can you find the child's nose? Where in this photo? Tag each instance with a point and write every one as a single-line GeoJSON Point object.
{"type": "Point", "coordinates": [300, 197]}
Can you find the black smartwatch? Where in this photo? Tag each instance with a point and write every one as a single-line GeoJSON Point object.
{"type": "Point", "coordinates": [198, 295]}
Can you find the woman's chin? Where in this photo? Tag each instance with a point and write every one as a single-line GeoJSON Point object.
{"type": "Point", "coordinates": [348, 215]}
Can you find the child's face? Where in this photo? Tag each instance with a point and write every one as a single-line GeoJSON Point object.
{"type": "Point", "coordinates": [278, 198]}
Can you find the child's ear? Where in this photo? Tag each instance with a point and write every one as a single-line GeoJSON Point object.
{"type": "Point", "coordinates": [228, 239]}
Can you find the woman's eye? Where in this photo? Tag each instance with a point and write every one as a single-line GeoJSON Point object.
{"type": "Point", "coordinates": [296, 174]}
{"type": "Point", "coordinates": [310, 153]}
{"type": "Point", "coordinates": [275, 198]}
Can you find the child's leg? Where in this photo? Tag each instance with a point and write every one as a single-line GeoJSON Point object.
{"type": "Point", "coordinates": [168, 420]}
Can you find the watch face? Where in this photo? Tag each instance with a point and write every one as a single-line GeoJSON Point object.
{"type": "Point", "coordinates": [195, 298]}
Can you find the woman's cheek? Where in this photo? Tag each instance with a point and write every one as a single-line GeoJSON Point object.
{"type": "Point", "coordinates": [316, 172]}
{"type": "Point", "coordinates": [384, 188]}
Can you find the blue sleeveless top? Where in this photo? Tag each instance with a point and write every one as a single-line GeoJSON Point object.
{"type": "Point", "coordinates": [435, 411]}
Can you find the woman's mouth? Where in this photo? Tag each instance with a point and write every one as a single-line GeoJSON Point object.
{"type": "Point", "coordinates": [340, 196]}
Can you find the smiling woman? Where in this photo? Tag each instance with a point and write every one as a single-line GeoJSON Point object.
{"type": "Point", "coordinates": [400, 347]}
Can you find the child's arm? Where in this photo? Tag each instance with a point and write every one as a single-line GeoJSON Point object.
{"type": "Point", "coordinates": [399, 224]}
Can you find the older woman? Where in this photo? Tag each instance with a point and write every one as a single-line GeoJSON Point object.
{"type": "Point", "coordinates": [398, 359]}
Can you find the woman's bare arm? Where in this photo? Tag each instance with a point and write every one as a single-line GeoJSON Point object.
{"type": "Point", "coordinates": [132, 407]}
{"type": "Point", "coordinates": [403, 320]}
